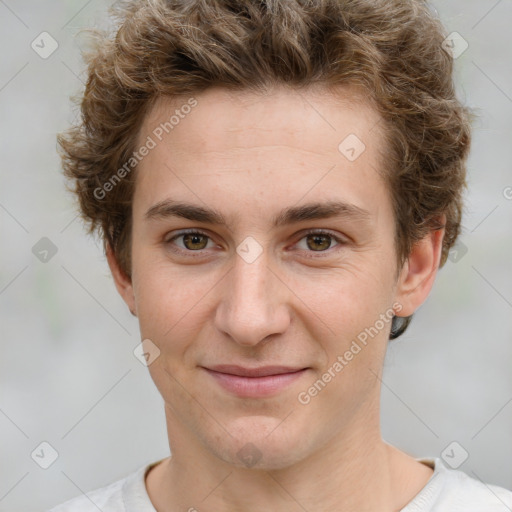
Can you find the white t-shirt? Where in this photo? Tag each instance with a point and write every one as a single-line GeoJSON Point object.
{"type": "Point", "coordinates": [447, 490]}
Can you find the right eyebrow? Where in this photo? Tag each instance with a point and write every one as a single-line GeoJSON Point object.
{"type": "Point", "coordinates": [291, 215]}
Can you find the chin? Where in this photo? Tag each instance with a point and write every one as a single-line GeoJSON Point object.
{"type": "Point", "coordinates": [259, 442]}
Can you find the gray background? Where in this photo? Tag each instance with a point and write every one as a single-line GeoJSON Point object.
{"type": "Point", "coordinates": [68, 373]}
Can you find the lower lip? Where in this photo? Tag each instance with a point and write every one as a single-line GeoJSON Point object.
{"type": "Point", "coordinates": [255, 387]}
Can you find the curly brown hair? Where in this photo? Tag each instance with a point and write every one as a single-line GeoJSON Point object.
{"type": "Point", "coordinates": [392, 49]}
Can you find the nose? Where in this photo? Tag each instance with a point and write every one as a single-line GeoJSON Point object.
{"type": "Point", "coordinates": [254, 302]}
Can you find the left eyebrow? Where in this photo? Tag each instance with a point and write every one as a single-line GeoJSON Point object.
{"type": "Point", "coordinates": [316, 211]}
{"type": "Point", "coordinates": [291, 215]}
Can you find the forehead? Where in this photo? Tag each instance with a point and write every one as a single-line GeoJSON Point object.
{"type": "Point", "coordinates": [314, 119]}
{"type": "Point", "coordinates": [219, 142]}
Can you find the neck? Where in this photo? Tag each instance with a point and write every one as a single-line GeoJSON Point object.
{"type": "Point", "coordinates": [354, 470]}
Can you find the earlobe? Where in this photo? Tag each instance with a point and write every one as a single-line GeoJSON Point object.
{"type": "Point", "coordinates": [419, 272]}
{"type": "Point", "coordinates": [122, 281]}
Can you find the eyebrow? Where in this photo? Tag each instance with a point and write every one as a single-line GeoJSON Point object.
{"type": "Point", "coordinates": [311, 211]}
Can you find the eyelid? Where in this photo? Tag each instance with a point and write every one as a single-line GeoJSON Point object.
{"type": "Point", "coordinates": [313, 231]}
{"type": "Point", "coordinates": [340, 240]}
{"type": "Point", "coordinates": [189, 231]}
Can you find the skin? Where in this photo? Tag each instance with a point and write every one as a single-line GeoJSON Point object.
{"type": "Point", "coordinates": [249, 156]}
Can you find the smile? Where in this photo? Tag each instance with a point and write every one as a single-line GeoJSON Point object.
{"type": "Point", "coordinates": [255, 386]}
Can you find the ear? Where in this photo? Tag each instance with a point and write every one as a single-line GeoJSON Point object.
{"type": "Point", "coordinates": [419, 271]}
{"type": "Point", "coordinates": [122, 281]}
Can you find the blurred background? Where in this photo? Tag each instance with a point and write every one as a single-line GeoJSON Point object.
{"type": "Point", "coordinates": [68, 375]}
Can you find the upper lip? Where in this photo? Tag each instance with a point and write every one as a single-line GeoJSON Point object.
{"type": "Point", "coordinates": [253, 372]}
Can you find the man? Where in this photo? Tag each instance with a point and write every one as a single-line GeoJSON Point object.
{"type": "Point", "coordinates": [277, 184]}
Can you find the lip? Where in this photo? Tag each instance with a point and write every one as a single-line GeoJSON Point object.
{"type": "Point", "coordinates": [254, 382]}
{"type": "Point", "coordinates": [262, 371]}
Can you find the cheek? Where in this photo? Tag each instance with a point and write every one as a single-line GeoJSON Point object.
{"type": "Point", "coordinates": [350, 296]}
{"type": "Point", "coordinates": [354, 346]}
{"type": "Point", "coordinates": [172, 303]}
{"type": "Point", "coordinates": [350, 303]}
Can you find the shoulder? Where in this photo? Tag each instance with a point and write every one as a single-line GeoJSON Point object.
{"type": "Point", "coordinates": [450, 490]}
{"type": "Point", "coordinates": [471, 494]}
{"type": "Point", "coordinates": [107, 499]}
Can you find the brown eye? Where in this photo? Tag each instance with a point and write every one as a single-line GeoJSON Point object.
{"type": "Point", "coordinates": [195, 241]}
{"type": "Point", "coordinates": [192, 241]}
{"type": "Point", "coordinates": [319, 242]}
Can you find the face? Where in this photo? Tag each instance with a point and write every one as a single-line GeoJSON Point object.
{"type": "Point", "coordinates": [263, 235]}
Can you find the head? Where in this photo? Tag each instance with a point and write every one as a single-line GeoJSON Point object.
{"type": "Point", "coordinates": [248, 127]}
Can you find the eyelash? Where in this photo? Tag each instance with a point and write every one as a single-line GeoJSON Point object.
{"type": "Point", "coordinates": [340, 241]}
